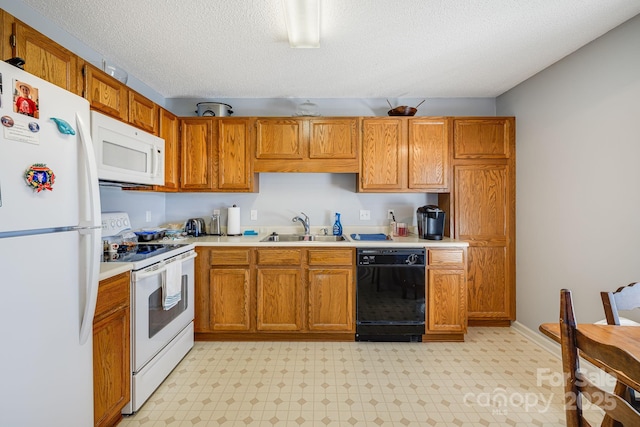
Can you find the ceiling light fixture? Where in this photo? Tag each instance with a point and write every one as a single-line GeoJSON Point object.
{"type": "Point", "coordinates": [303, 22]}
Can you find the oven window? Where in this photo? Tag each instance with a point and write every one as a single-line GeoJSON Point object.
{"type": "Point", "coordinates": [159, 317]}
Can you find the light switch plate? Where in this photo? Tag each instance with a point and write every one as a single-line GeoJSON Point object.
{"type": "Point", "coordinates": [254, 215]}
{"type": "Point", "coordinates": [365, 215]}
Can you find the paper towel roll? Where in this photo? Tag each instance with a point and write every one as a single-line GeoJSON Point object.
{"type": "Point", "coordinates": [233, 221]}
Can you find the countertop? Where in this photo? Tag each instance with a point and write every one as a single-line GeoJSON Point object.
{"type": "Point", "coordinates": [110, 269]}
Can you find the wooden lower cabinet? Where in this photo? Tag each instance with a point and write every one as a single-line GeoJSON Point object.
{"type": "Point", "coordinates": [271, 293]}
{"type": "Point", "coordinates": [446, 295]}
{"type": "Point", "coordinates": [111, 350]}
{"type": "Point", "coordinates": [331, 290]}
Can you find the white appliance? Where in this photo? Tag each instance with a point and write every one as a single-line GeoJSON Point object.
{"type": "Point", "coordinates": [126, 154]}
{"type": "Point", "coordinates": [50, 249]}
{"type": "Point", "coordinates": [161, 334]}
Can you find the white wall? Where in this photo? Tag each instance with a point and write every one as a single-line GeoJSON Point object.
{"type": "Point", "coordinates": [577, 195]}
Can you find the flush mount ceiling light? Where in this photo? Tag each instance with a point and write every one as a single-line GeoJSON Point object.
{"type": "Point", "coordinates": [303, 22]}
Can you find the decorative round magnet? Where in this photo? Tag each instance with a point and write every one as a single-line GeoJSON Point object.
{"type": "Point", "coordinates": [40, 177]}
{"type": "Point", "coordinates": [34, 127]}
{"type": "Point", "coordinates": [6, 121]}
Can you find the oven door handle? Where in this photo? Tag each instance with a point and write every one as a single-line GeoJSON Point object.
{"type": "Point", "coordinates": [161, 267]}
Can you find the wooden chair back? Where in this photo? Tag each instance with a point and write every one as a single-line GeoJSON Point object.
{"type": "Point", "coordinates": [577, 385]}
{"type": "Point", "coordinates": [624, 298]}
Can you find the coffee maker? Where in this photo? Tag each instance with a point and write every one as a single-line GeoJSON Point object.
{"type": "Point", "coordinates": [430, 222]}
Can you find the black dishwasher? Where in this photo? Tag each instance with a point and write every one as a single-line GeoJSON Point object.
{"type": "Point", "coordinates": [390, 294]}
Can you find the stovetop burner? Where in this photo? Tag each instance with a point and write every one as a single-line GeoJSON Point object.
{"type": "Point", "coordinates": [145, 254]}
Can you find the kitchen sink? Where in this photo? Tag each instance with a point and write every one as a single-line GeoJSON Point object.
{"type": "Point", "coordinates": [303, 238]}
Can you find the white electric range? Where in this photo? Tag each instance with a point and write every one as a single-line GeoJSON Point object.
{"type": "Point", "coordinates": [162, 305]}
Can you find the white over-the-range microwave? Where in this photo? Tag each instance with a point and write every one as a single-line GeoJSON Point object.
{"type": "Point", "coordinates": [126, 154]}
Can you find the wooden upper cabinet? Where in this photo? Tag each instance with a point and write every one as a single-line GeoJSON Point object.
{"type": "Point", "coordinates": [279, 139]}
{"type": "Point", "coordinates": [105, 94]}
{"type": "Point", "coordinates": [333, 138]}
{"type": "Point", "coordinates": [44, 57]}
{"type": "Point", "coordinates": [169, 130]}
{"type": "Point", "coordinates": [234, 155]}
{"type": "Point", "coordinates": [428, 154]}
{"type": "Point", "coordinates": [404, 154]}
{"type": "Point", "coordinates": [143, 112]}
{"type": "Point", "coordinates": [198, 154]}
{"type": "Point", "coordinates": [485, 138]}
{"type": "Point", "coordinates": [383, 156]}
{"type": "Point", "coordinates": [306, 144]}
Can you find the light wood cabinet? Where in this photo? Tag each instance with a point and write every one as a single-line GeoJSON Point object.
{"type": "Point", "coordinates": [223, 291]}
{"type": "Point", "coordinates": [446, 295]}
{"type": "Point", "coordinates": [483, 206]}
{"type": "Point", "coordinates": [404, 155]}
{"type": "Point", "coordinates": [111, 350]}
{"type": "Point", "coordinates": [105, 94]}
{"type": "Point", "coordinates": [43, 57]}
{"type": "Point", "coordinates": [143, 113]}
{"type": "Point", "coordinates": [198, 154]}
{"type": "Point", "coordinates": [306, 145]}
{"type": "Point", "coordinates": [215, 155]}
{"type": "Point", "coordinates": [279, 289]}
{"type": "Point", "coordinates": [169, 130]}
{"type": "Point", "coordinates": [331, 290]}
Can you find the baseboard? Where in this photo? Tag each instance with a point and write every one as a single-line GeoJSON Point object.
{"type": "Point", "coordinates": [544, 342]}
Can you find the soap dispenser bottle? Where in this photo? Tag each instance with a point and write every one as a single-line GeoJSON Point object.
{"type": "Point", "coordinates": [337, 226]}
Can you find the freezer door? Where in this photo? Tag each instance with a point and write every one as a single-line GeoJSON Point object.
{"type": "Point", "coordinates": [47, 375]}
{"type": "Point", "coordinates": [26, 142]}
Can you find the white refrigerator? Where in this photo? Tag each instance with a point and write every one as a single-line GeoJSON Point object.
{"type": "Point", "coordinates": [50, 249]}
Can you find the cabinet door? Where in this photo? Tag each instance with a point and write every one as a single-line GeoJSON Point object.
{"type": "Point", "coordinates": [383, 155]}
{"type": "Point", "coordinates": [485, 138]}
{"type": "Point", "coordinates": [45, 58]}
{"type": "Point", "coordinates": [111, 350]}
{"type": "Point", "coordinates": [234, 143]}
{"type": "Point", "coordinates": [446, 301]}
{"type": "Point", "coordinates": [280, 139]}
{"type": "Point", "coordinates": [428, 154]}
{"type": "Point", "coordinates": [333, 138]}
{"type": "Point", "coordinates": [331, 305]}
{"type": "Point", "coordinates": [483, 203]}
{"type": "Point", "coordinates": [105, 94]}
{"type": "Point", "coordinates": [279, 299]}
{"type": "Point", "coordinates": [168, 125]}
{"type": "Point", "coordinates": [230, 297]}
{"type": "Point", "coordinates": [198, 166]}
{"type": "Point", "coordinates": [143, 112]}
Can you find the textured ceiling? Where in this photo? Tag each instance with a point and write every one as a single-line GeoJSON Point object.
{"type": "Point", "coordinates": [368, 48]}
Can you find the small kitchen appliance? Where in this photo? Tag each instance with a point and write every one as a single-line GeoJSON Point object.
{"type": "Point", "coordinates": [195, 227]}
{"type": "Point", "coordinates": [214, 228]}
{"type": "Point", "coordinates": [430, 222]}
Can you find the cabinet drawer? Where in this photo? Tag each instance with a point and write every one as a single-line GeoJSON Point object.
{"type": "Point", "coordinates": [279, 256]}
{"type": "Point", "coordinates": [446, 257]}
{"type": "Point", "coordinates": [230, 256]}
{"type": "Point", "coordinates": [330, 257]}
{"type": "Point", "coordinates": [113, 293]}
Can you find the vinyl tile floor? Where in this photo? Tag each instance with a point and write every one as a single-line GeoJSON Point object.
{"type": "Point", "coordinates": [497, 377]}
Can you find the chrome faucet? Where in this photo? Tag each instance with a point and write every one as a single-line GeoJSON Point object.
{"type": "Point", "coordinates": [305, 222]}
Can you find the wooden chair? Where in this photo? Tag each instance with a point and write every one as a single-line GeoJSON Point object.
{"type": "Point", "coordinates": [578, 385]}
{"type": "Point", "coordinates": [624, 298]}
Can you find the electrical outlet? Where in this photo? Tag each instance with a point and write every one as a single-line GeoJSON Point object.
{"type": "Point", "coordinates": [148, 216]}
{"type": "Point", "coordinates": [390, 213]}
{"type": "Point", "coordinates": [254, 215]}
{"type": "Point", "coordinates": [365, 215]}
{"type": "Point", "coordinates": [216, 211]}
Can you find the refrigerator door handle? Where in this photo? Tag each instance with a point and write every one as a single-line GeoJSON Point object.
{"type": "Point", "coordinates": [90, 193]}
{"type": "Point", "coordinates": [90, 228]}
{"type": "Point", "coordinates": [91, 272]}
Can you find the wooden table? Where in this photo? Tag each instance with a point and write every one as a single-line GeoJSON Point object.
{"type": "Point", "coordinates": [624, 337]}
